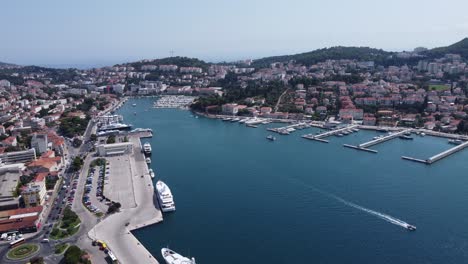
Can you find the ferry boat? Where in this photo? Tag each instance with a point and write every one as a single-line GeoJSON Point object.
{"type": "Point", "coordinates": [148, 160]}
{"type": "Point", "coordinates": [171, 257]}
{"type": "Point", "coordinates": [455, 141]}
{"type": "Point", "coordinates": [147, 148]}
{"type": "Point", "coordinates": [151, 172]}
{"type": "Point", "coordinates": [271, 138]}
{"type": "Point", "coordinates": [166, 201]}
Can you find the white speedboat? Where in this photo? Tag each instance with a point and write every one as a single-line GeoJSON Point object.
{"type": "Point", "coordinates": [147, 148]}
{"type": "Point", "coordinates": [166, 201]}
{"type": "Point", "coordinates": [148, 160]}
{"type": "Point", "coordinates": [172, 257]}
{"type": "Point", "coordinates": [151, 172]}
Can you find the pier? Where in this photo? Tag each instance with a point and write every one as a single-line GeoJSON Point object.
{"type": "Point", "coordinates": [439, 156]}
{"type": "Point", "coordinates": [320, 137]}
{"type": "Point", "coordinates": [359, 148]}
{"type": "Point", "coordinates": [383, 139]}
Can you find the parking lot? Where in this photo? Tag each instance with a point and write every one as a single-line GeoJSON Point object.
{"type": "Point", "coordinates": [120, 179]}
{"type": "Point", "coordinates": [96, 180]}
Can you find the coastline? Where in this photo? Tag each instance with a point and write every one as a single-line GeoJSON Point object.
{"type": "Point", "coordinates": [116, 229]}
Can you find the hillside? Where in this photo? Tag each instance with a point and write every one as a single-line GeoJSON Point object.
{"type": "Point", "coordinates": [179, 61]}
{"type": "Point", "coordinates": [460, 47]}
{"type": "Point", "coordinates": [334, 53]}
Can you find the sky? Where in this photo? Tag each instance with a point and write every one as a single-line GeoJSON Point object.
{"type": "Point", "coordinates": [106, 32]}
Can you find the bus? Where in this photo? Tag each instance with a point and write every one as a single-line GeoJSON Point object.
{"type": "Point", "coordinates": [17, 242]}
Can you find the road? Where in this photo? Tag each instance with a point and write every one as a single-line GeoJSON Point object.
{"type": "Point", "coordinates": [279, 100]}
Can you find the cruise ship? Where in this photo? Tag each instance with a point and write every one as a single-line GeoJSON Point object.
{"type": "Point", "coordinates": [172, 257]}
{"type": "Point", "coordinates": [147, 148]}
{"type": "Point", "coordinates": [166, 201]}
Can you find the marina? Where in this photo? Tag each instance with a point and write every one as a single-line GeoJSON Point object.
{"type": "Point", "coordinates": [289, 129]}
{"type": "Point", "coordinates": [263, 181]}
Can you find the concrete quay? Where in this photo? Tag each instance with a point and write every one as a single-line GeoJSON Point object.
{"type": "Point", "coordinates": [139, 208]}
{"type": "Point", "coordinates": [439, 156]}
{"type": "Point", "coordinates": [383, 139]}
{"type": "Point", "coordinates": [320, 137]}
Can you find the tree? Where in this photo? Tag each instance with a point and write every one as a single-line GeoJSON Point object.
{"type": "Point", "coordinates": [76, 164]}
{"type": "Point", "coordinates": [77, 142]}
{"type": "Point", "coordinates": [110, 139]}
{"type": "Point", "coordinates": [73, 255]}
{"type": "Point", "coordinates": [37, 260]}
{"type": "Point", "coordinates": [93, 137]}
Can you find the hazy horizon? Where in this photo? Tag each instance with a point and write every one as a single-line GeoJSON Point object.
{"type": "Point", "coordinates": [89, 33]}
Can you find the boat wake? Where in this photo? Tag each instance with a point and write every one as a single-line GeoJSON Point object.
{"type": "Point", "coordinates": [386, 217]}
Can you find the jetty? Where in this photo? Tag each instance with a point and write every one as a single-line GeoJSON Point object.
{"type": "Point", "coordinates": [320, 137]}
{"type": "Point", "coordinates": [439, 156]}
{"type": "Point", "coordinates": [383, 139]}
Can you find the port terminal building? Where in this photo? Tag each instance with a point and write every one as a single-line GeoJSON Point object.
{"type": "Point", "coordinates": [115, 149]}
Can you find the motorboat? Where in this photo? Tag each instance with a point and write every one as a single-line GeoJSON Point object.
{"type": "Point", "coordinates": [271, 138]}
{"type": "Point", "coordinates": [411, 227]}
{"type": "Point", "coordinates": [172, 257]}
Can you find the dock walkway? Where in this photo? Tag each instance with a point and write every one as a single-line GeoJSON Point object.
{"type": "Point", "coordinates": [383, 139]}
{"type": "Point", "coordinates": [320, 137]}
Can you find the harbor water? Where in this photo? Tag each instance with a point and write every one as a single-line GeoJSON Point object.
{"type": "Point", "coordinates": [243, 199]}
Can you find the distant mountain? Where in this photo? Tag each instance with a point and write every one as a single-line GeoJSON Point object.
{"type": "Point", "coordinates": [460, 47]}
{"type": "Point", "coordinates": [4, 64]}
{"type": "Point", "coordinates": [334, 53]}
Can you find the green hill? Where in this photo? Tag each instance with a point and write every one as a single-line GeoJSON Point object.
{"type": "Point", "coordinates": [460, 47]}
{"type": "Point", "coordinates": [179, 61]}
{"type": "Point", "coordinates": [333, 53]}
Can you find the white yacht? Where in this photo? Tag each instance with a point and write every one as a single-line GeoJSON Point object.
{"type": "Point", "coordinates": [147, 148]}
{"type": "Point", "coordinates": [166, 201]}
{"type": "Point", "coordinates": [151, 172]}
{"type": "Point", "coordinates": [172, 257]}
{"type": "Point", "coordinates": [148, 160]}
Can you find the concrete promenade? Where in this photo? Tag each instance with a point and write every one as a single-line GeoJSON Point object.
{"type": "Point", "coordinates": [140, 211]}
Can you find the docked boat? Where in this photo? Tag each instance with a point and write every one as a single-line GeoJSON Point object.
{"type": "Point", "coordinates": [422, 134]}
{"type": "Point", "coordinates": [411, 227]}
{"type": "Point", "coordinates": [166, 201]}
{"type": "Point", "coordinates": [148, 160]}
{"type": "Point", "coordinates": [251, 125]}
{"type": "Point", "coordinates": [271, 138]}
{"type": "Point", "coordinates": [151, 172]}
{"type": "Point", "coordinates": [455, 141]}
{"type": "Point", "coordinates": [172, 257]}
{"type": "Point", "coordinates": [147, 148]}
{"type": "Point", "coordinates": [406, 137]}
{"type": "Point", "coordinates": [115, 126]}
